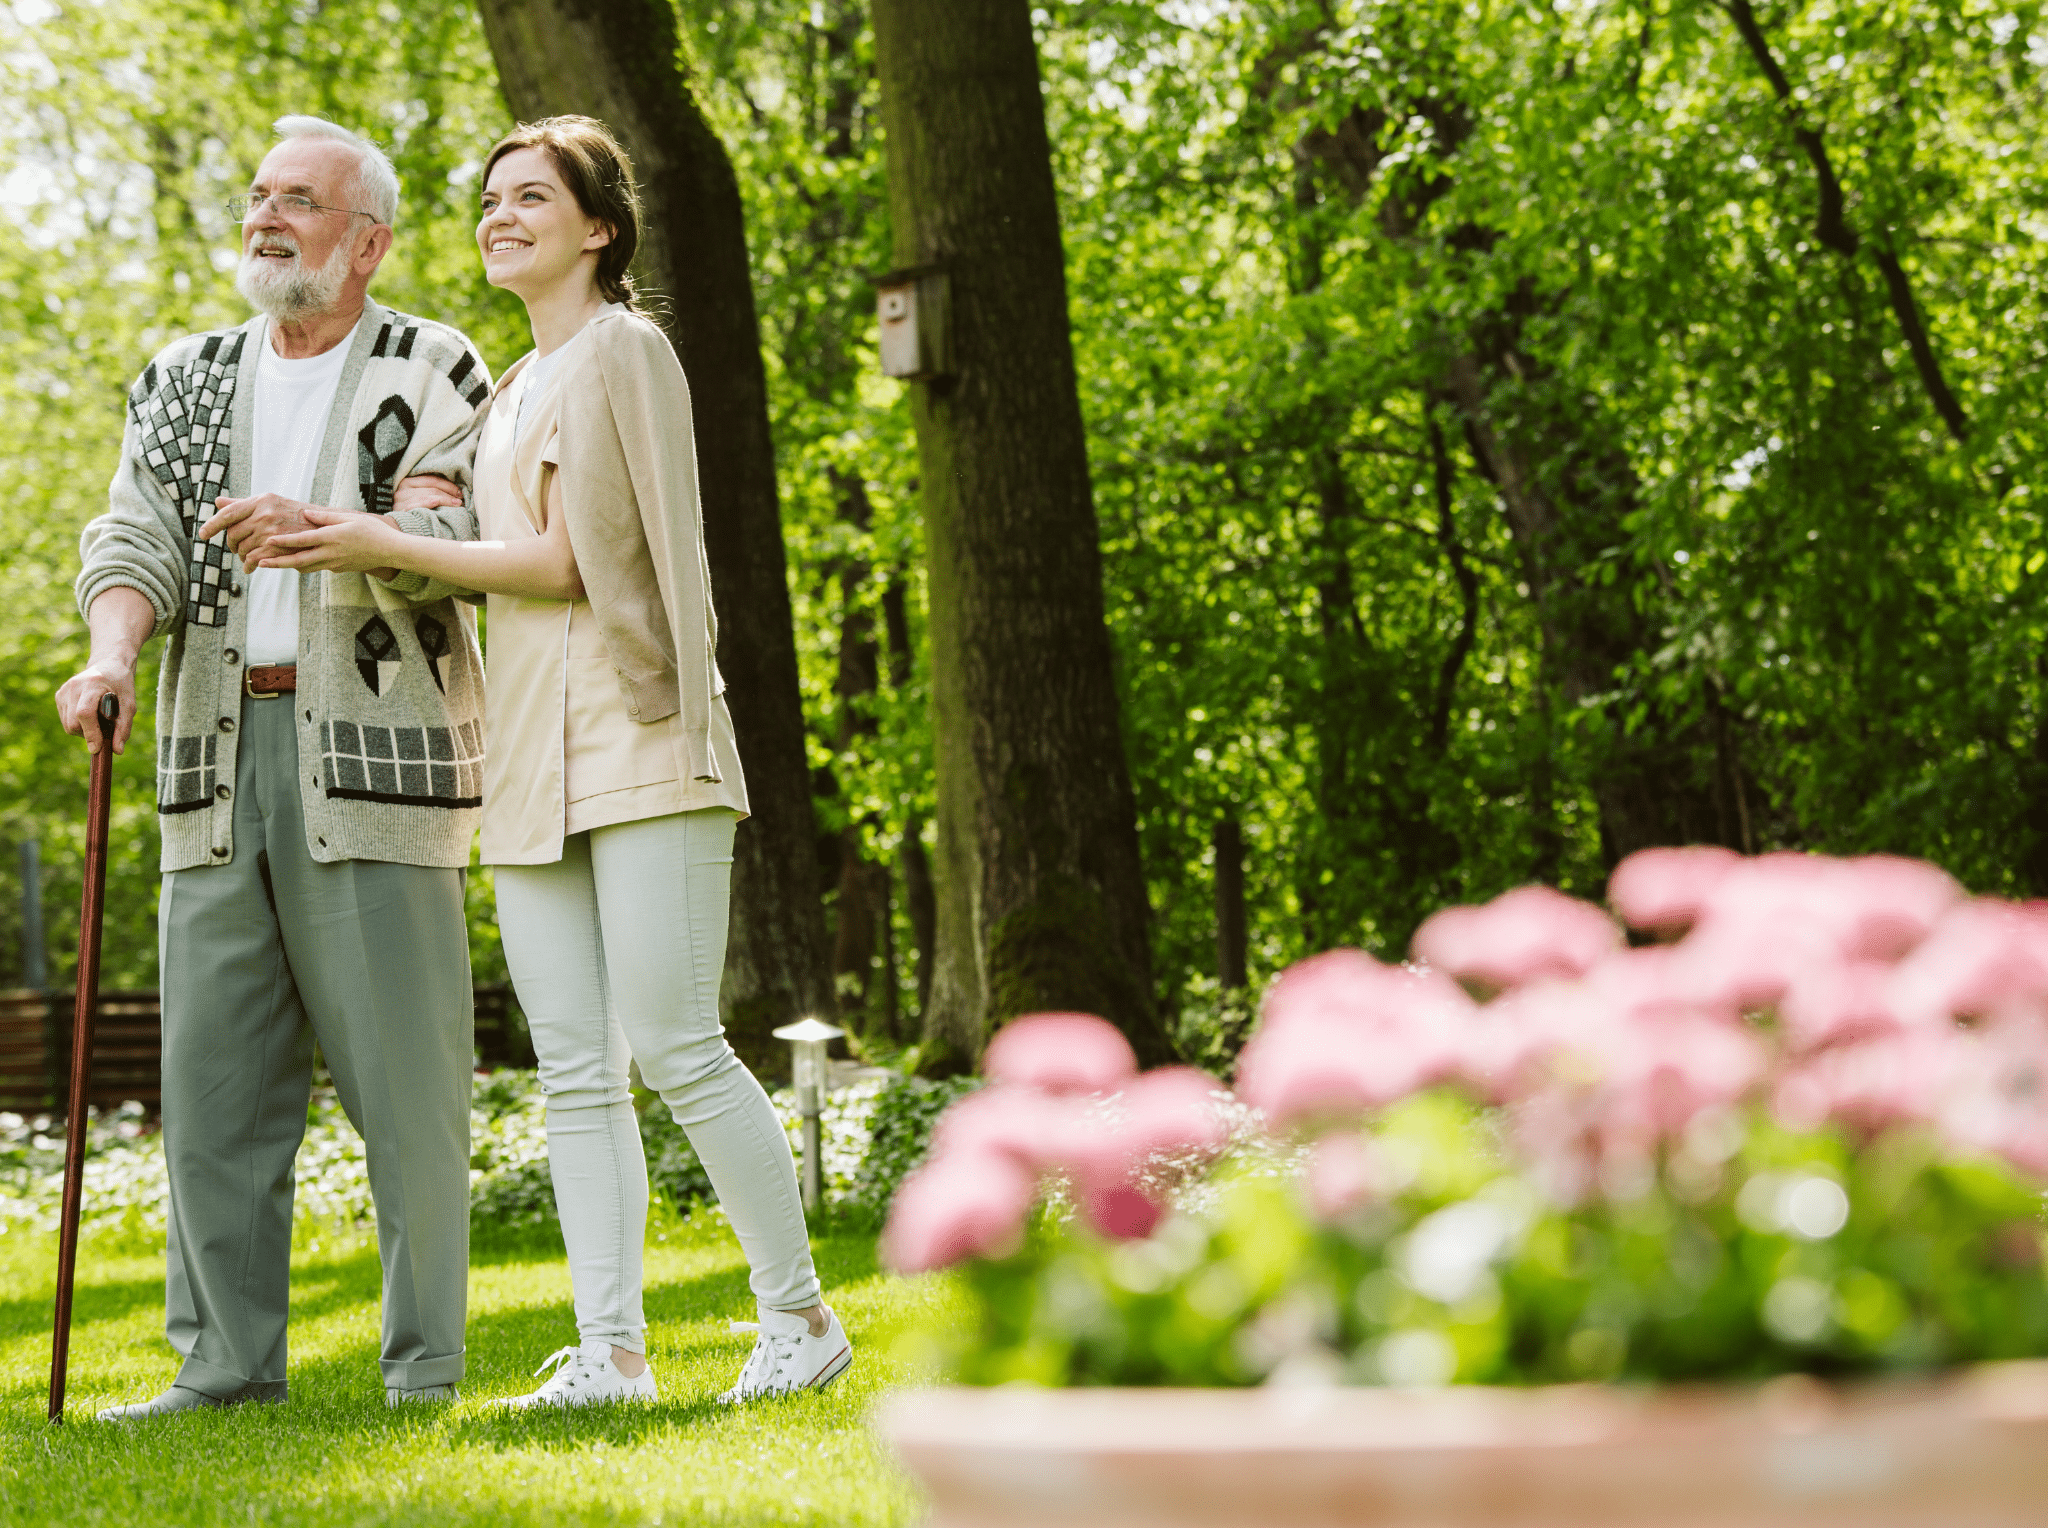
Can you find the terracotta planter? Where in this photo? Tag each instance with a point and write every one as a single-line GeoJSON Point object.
{"type": "Point", "coordinates": [1965, 1451]}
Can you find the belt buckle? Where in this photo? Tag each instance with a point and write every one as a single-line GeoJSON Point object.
{"type": "Point", "coordinates": [249, 689]}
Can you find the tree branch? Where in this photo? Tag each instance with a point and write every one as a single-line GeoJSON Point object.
{"type": "Point", "coordinates": [1924, 359]}
{"type": "Point", "coordinates": [1468, 585]}
{"type": "Point", "coordinates": [1831, 224]}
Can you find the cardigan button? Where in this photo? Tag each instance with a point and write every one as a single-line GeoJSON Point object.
{"type": "Point", "coordinates": [227, 724]}
{"type": "Point", "coordinates": [222, 791]}
{"type": "Point", "coordinates": [220, 853]}
{"type": "Point", "coordinates": [231, 656]}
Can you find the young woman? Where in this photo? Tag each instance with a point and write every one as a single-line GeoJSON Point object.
{"type": "Point", "coordinates": [611, 780]}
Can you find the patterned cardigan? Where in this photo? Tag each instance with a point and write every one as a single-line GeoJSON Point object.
{"type": "Point", "coordinates": [390, 699]}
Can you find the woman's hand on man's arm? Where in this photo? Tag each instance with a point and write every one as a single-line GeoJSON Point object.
{"type": "Point", "coordinates": [339, 541]}
{"type": "Point", "coordinates": [537, 567]}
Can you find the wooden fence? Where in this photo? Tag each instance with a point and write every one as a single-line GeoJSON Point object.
{"type": "Point", "coordinates": [127, 1051]}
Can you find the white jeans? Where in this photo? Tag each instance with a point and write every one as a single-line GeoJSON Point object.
{"type": "Point", "coordinates": [617, 950]}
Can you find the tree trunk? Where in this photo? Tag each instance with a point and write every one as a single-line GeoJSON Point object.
{"type": "Point", "coordinates": [861, 909]}
{"type": "Point", "coordinates": [920, 902]}
{"type": "Point", "coordinates": [618, 61]}
{"type": "Point", "coordinates": [1041, 896]}
{"type": "Point", "coordinates": [1230, 921]}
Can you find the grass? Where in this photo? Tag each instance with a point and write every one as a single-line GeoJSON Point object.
{"type": "Point", "coordinates": [334, 1454]}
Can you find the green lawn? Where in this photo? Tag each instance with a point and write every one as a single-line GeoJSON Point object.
{"type": "Point", "coordinates": [335, 1455]}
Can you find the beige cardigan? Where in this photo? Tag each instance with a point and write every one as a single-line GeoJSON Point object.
{"type": "Point", "coordinates": [628, 458]}
{"type": "Point", "coordinates": [613, 418]}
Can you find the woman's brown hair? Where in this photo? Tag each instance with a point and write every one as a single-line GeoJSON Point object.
{"type": "Point", "coordinates": [600, 176]}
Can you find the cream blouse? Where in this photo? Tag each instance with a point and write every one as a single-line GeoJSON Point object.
{"type": "Point", "coordinates": [562, 753]}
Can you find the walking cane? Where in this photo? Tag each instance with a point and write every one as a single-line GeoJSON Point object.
{"type": "Point", "coordinates": [99, 803]}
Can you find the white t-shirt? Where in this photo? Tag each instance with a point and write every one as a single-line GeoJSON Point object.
{"type": "Point", "coordinates": [293, 399]}
{"type": "Point", "coordinates": [537, 371]}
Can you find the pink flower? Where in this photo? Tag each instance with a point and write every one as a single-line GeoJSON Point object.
{"type": "Point", "coordinates": [1891, 904]}
{"type": "Point", "coordinates": [1656, 980]}
{"type": "Point", "coordinates": [1349, 986]}
{"type": "Point", "coordinates": [956, 1208]}
{"type": "Point", "coordinates": [1894, 1079]}
{"type": "Point", "coordinates": [1599, 1072]}
{"type": "Point", "coordinates": [1749, 960]}
{"type": "Point", "coordinates": [1298, 1073]}
{"type": "Point", "coordinates": [1121, 1211]}
{"type": "Point", "coordinates": [1171, 1110]}
{"type": "Point", "coordinates": [1984, 957]}
{"type": "Point", "coordinates": [1341, 1033]}
{"type": "Point", "coordinates": [1060, 1053]}
{"type": "Point", "coordinates": [1675, 1067]}
{"type": "Point", "coordinates": [1343, 1173]}
{"type": "Point", "coordinates": [1667, 889]}
{"type": "Point", "coordinates": [1165, 1113]}
{"type": "Point", "coordinates": [1834, 1001]}
{"type": "Point", "coordinates": [1527, 933]}
{"type": "Point", "coordinates": [1508, 1041]}
{"type": "Point", "coordinates": [1777, 922]}
{"type": "Point", "coordinates": [1037, 1131]}
{"type": "Point", "coordinates": [1998, 1098]}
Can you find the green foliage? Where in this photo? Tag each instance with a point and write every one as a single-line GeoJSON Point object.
{"type": "Point", "coordinates": [1287, 225]}
{"type": "Point", "coordinates": [1214, 1023]}
{"type": "Point", "coordinates": [900, 1133]}
{"type": "Point", "coordinates": [1732, 1264]}
{"type": "Point", "coordinates": [1284, 224]}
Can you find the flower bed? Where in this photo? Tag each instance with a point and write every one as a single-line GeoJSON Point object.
{"type": "Point", "coordinates": [874, 1132]}
{"type": "Point", "coordinates": [1803, 1133]}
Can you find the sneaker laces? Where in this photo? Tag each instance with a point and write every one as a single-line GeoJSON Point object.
{"type": "Point", "coordinates": [773, 1353]}
{"type": "Point", "coordinates": [569, 1364]}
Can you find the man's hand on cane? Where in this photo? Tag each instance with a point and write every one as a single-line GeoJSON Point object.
{"type": "Point", "coordinates": [121, 621]}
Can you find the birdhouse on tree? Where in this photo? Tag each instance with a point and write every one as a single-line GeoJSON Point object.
{"type": "Point", "coordinates": [914, 307]}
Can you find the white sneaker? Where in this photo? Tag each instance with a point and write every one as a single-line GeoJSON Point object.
{"type": "Point", "coordinates": [584, 1376]}
{"type": "Point", "coordinates": [787, 1357]}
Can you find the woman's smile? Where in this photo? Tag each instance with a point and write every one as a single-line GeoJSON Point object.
{"type": "Point", "coordinates": [532, 234]}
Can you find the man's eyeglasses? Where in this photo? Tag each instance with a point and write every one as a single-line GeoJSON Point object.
{"type": "Point", "coordinates": [241, 208]}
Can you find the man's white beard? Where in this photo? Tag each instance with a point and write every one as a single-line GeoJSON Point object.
{"type": "Point", "coordinates": [286, 290]}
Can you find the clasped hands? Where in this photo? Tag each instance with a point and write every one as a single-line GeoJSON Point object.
{"type": "Point", "coordinates": [269, 530]}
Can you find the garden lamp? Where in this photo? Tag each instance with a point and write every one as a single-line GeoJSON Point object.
{"type": "Point", "coordinates": [807, 1041]}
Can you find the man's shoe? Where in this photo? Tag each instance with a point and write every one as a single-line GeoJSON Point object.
{"type": "Point", "coordinates": [393, 1396]}
{"type": "Point", "coordinates": [172, 1401]}
{"type": "Point", "coordinates": [788, 1358]}
{"type": "Point", "coordinates": [584, 1376]}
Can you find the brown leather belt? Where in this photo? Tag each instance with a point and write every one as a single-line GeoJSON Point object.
{"type": "Point", "coordinates": [271, 682]}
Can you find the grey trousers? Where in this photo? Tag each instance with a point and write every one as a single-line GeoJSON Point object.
{"type": "Point", "coordinates": [259, 957]}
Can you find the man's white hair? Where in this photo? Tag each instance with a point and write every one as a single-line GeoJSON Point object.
{"type": "Point", "coordinates": [376, 188]}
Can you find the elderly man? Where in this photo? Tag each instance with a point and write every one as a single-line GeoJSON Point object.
{"type": "Point", "coordinates": [319, 742]}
